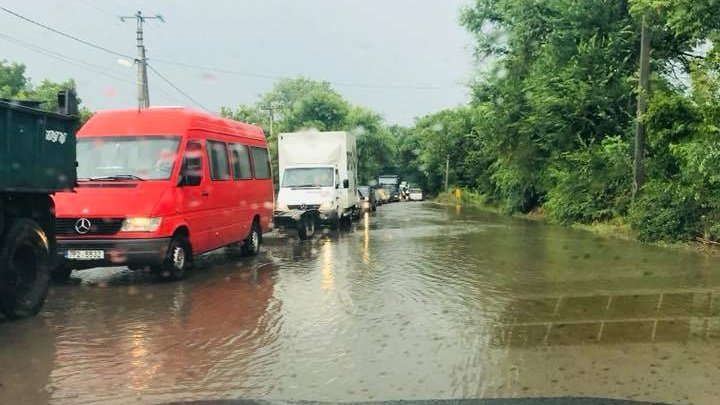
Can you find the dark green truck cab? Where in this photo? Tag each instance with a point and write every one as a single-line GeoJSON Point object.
{"type": "Point", "coordinates": [37, 158]}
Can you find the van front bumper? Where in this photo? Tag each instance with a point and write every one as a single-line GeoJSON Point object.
{"type": "Point", "coordinates": [116, 252]}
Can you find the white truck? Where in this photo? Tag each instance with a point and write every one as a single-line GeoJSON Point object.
{"type": "Point", "coordinates": [318, 181]}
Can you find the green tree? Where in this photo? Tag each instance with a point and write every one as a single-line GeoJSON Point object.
{"type": "Point", "coordinates": [302, 103]}
{"type": "Point", "coordinates": [375, 144]}
{"type": "Point", "coordinates": [13, 82]}
{"type": "Point", "coordinates": [324, 110]}
{"type": "Point", "coordinates": [558, 110]}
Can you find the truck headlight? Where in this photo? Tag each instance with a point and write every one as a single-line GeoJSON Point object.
{"type": "Point", "coordinates": [281, 207]}
{"type": "Point", "coordinates": [140, 224]}
{"type": "Point", "coordinates": [327, 205]}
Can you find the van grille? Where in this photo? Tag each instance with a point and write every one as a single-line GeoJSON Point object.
{"type": "Point", "coordinates": [304, 207]}
{"type": "Point", "coordinates": [98, 226]}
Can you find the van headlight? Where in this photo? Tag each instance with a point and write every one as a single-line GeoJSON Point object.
{"type": "Point", "coordinates": [140, 224]}
{"type": "Point", "coordinates": [327, 205]}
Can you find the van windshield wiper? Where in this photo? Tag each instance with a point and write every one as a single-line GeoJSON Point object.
{"type": "Point", "coordinates": [117, 177]}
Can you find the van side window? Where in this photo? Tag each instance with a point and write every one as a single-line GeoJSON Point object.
{"type": "Point", "coordinates": [217, 154]}
{"type": "Point", "coordinates": [261, 164]}
{"type": "Point", "coordinates": [240, 161]}
{"type": "Point", "coordinates": [192, 170]}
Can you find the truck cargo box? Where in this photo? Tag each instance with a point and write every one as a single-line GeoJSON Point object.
{"type": "Point", "coordinates": [37, 149]}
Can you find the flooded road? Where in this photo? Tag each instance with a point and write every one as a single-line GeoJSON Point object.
{"type": "Point", "coordinates": [419, 301]}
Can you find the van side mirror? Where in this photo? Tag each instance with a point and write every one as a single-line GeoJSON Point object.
{"type": "Point", "coordinates": [189, 178]}
{"type": "Point", "coordinates": [192, 167]}
{"type": "Point", "coordinates": [346, 183]}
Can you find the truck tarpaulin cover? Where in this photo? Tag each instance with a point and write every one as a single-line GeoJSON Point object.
{"type": "Point", "coordinates": [312, 148]}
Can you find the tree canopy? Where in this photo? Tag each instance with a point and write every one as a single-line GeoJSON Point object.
{"type": "Point", "coordinates": [15, 84]}
{"type": "Point", "coordinates": [301, 103]}
{"type": "Point", "coordinates": [550, 123]}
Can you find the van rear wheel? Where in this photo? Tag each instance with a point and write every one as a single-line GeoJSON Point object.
{"type": "Point", "coordinates": [176, 261]}
{"type": "Point", "coordinates": [251, 245]}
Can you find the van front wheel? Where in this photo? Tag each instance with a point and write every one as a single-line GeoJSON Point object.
{"type": "Point", "coordinates": [176, 261]}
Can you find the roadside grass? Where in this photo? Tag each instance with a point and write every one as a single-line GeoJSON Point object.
{"type": "Point", "coordinates": [466, 198]}
{"type": "Point", "coordinates": [617, 228]}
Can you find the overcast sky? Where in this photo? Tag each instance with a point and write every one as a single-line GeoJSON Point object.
{"type": "Point", "coordinates": [402, 58]}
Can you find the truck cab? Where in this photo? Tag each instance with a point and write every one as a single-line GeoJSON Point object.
{"type": "Point", "coordinates": [311, 187]}
{"type": "Point", "coordinates": [318, 181]}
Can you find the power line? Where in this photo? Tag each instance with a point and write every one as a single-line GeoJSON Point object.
{"type": "Point", "coordinates": [166, 80]}
{"type": "Point", "coordinates": [276, 77]}
{"type": "Point", "coordinates": [74, 38]}
{"type": "Point", "coordinates": [47, 52]}
{"type": "Point", "coordinates": [219, 70]}
{"type": "Point", "coordinates": [97, 69]}
{"type": "Point", "coordinates": [69, 60]}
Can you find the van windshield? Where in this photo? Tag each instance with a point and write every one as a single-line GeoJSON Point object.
{"type": "Point", "coordinates": [126, 157]}
{"type": "Point", "coordinates": [308, 177]}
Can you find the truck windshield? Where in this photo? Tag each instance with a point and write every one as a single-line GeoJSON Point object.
{"type": "Point", "coordinates": [126, 157]}
{"type": "Point", "coordinates": [308, 177]}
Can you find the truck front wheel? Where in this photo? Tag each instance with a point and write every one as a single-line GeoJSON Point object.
{"type": "Point", "coordinates": [25, 266]}
{"type": "Point", "coordinates": [306, 227]}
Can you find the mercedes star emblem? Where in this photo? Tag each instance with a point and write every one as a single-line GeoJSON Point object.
{"type": "Point", "coordinates": [82, 226]}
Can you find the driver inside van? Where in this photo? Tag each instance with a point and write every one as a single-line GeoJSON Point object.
{"type": "Point", "coordinates": [165, 161]}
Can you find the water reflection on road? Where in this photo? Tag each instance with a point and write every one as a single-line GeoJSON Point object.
{"type": "Point", "coordinates": [419, 301]}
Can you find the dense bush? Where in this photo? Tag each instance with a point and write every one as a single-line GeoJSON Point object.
{"type": "Point", "coordinates": [592, 183]}
{"type": "Point", "coordinates": [666, 211]}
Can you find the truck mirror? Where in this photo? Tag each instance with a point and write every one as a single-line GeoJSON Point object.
{"type": "Point", "coordinates": [346, 183]}
{"type": "Point", "coordinates": [67, 102]}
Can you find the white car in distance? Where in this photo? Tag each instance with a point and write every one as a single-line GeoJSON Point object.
{"type": "Point", "coordinates": [415, 194]}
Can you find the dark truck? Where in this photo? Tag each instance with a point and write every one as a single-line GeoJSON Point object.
{"type": "Point", "coordinates": [391, 184]}
{"type": "Point", "coordinates": [37, 158]}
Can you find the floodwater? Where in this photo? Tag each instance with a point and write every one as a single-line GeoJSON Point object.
{"type": "Point", "coordinates": [419, 301]}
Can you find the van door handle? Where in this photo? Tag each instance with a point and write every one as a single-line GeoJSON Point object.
{"type": "Point", "coordinates": [205, 193]}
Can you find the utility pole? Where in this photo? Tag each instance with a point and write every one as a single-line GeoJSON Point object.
{"type": "Point", "coordinates": [271, 112]}
{"type": "Point", "coordinates": [447, 170]}
{"type": "Point", "coordinates": [141, 61]}
{"type": "Point", "coordinates": [643, 90]}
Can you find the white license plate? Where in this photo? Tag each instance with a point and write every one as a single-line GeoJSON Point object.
{"type": "Point", "coordinates": [85, 254]}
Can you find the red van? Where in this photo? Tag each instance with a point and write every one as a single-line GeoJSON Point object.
{"type": "Point", "coordinates": [158, 186]}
